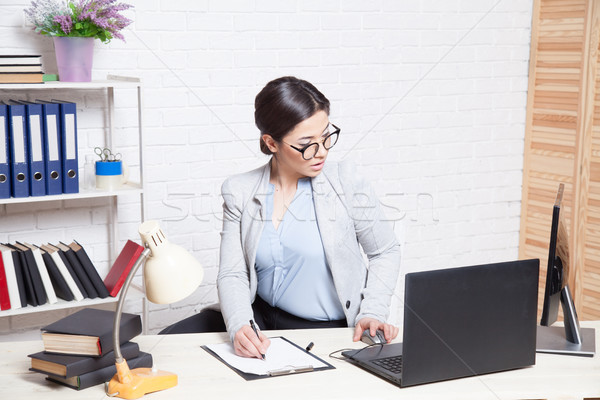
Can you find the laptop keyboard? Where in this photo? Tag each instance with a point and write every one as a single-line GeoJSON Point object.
{"type": "Point", "coordinates": [392, 364]}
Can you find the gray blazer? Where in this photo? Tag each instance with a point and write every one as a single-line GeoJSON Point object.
{"type": "Point", "coordinates": [348, 214]}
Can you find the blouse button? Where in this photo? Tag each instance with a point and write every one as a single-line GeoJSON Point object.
{"type": "Point", "coordinates": [348, 304]}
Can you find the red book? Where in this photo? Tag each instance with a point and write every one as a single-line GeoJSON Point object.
{"type": "Point", "coordinates": [120, 269]}
{"type": "Point", "coordinates": [4, 297]}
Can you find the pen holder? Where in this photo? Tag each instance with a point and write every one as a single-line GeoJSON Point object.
{"type": "Point", "coordinates": [111, 175]}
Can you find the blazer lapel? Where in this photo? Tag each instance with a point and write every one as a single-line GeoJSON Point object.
{"type": "Point", "coordinates": [255, 212]}
{"type": "Point", "coordinates": [324, 199]}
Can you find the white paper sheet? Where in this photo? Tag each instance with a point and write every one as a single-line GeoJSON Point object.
{"type": "Point", "coordinates": [281, 355]}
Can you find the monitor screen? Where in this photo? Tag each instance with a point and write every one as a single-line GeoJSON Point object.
{"type": "Point", "coordinates": [557, 274]}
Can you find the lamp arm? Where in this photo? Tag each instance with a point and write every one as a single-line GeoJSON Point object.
{"type": "Point", "coordinates": [119, 311]}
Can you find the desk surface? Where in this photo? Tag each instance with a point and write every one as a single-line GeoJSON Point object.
{"type": "Point", "coordinates": [203, 376]}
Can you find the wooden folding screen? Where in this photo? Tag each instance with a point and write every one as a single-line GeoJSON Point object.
{"type": "Point", "coordinates": [562, 142]}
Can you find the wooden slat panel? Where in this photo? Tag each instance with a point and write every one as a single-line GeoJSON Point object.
{"type": "Point", "coordinates": [589, 239]}
{"type": "Point", "coordinates": [553, 118]}
{"type": "Point", "coordinates": [550, 164]}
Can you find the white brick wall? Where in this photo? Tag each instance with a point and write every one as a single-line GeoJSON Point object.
{"type": "Point", "coordinates": [430, 96]}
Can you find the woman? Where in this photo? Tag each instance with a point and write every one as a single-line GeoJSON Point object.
{"type": "Point", "coordinates": [292, 231]}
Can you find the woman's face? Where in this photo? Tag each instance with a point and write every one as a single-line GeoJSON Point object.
{"type": "Point", "coordinates": [311, 130]}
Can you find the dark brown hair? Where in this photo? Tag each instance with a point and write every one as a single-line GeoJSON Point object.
{"type": "Point", "coordinates": [282, 104]}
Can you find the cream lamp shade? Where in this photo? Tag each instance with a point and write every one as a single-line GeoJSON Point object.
{"type": "Point", "coordinates": [170, 272]}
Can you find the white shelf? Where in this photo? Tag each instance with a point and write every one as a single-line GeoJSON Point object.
{"type": "Point", "coordinates": [134, 292]}
{"type": "Point", "coordinates": [113, 81]}
{"type": "Point", "coordinates": [128, 188]}
{"type": "Point", "coordinates": [60, 305]}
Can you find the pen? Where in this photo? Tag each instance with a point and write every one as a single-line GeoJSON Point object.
{"type": "Point", "coordinates": [256, 331]}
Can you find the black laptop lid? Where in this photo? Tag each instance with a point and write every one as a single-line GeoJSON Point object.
{"type": "Point", "coordinates": [468, 321]}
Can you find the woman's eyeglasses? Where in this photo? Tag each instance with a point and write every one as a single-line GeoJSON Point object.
{"type": "Point", "coordinates": [310, 150]}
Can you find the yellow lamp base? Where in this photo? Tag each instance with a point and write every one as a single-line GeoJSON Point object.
{"type": "Point", "coordinates": [133, 384]}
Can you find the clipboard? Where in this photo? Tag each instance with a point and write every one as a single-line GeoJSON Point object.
{"type": "Point", "coordinates": [314, 363]}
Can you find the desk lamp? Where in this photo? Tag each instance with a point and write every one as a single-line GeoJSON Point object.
{"type": "Point", "coordinates": [170, 274]}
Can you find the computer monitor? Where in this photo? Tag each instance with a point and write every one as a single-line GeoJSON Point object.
{"type": "Point", "coordinates": [557, 274]}
{"type": "Point", "coordinates": [572, 339]}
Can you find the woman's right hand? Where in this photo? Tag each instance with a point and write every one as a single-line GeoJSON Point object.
{"type": "Point", "coordinates": [247, 344]}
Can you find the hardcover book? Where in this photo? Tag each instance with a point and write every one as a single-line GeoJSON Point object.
{"type": "Point", "coordinates": [4, 295]}
{"type": "Point", "coordinates": [21, 77]}
{"type": "Point", "coordinates": [79, 271]}
{"type": "Point", "coordinates": [61, 254]}
{"type": "Point", "coordinates": [51, 256]}
{"type": "Point", "coordinates": [20, 275]}
{"type": "Point", "coordinates": [120, 269]}
{"type": "Point", "coordinates": [102, 375]}
{"type": "Point", "coordinates": [89, 332]}
{"type": "Point", "coordinates": [89, 269]}
{"type": "Point", "coordinates": [67, 366]}
{"type": "Point", "coordinates": [21, 59]}
{"type": "Point", "coordinates": [61, 287]}
{"type": "Point", "coordinates": [12, 280]}
{"type": "Point", "coordinates": [43, 271]}
{"type": "Point", "coordinates": [33, 281]}
{"type": "Point", "coordinates": [19, 68]}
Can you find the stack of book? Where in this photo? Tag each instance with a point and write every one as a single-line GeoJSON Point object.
{"type": "Point", "coordinates": [21, 69]}
{"type": "Point", "coordinates": [78, 349]}
{"type": "Point", "coordinates": [36, 275]}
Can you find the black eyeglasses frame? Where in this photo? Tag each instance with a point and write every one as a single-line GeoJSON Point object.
{"type": "Point", "coordinates": [303, 149]}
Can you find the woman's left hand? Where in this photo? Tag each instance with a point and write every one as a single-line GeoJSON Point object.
{"type": "Point", "coordinates": [390, 331]}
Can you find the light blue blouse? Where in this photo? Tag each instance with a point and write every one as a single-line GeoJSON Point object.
{"type": "Point", "coordinates": [290, 262]}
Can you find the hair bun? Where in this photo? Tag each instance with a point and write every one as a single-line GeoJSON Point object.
{"type": "Point", "coordinates": [282, 104]}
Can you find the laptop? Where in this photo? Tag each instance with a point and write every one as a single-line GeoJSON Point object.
{"type": "Point", "coordinates": [460, 322]}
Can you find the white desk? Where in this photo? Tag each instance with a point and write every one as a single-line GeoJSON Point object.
{"type": "Point", "coordinates": [201, 376]}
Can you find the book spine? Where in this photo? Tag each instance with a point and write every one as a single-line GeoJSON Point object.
{"type": "Point", "coordinates": [36, 278]}
{"type": "Point", "coordinates": [118, 272]}
{"type": "Point", "coordinates": [130, 328]}
{"type": "Point", "coordinates": [19, 274]}
{"type": "Point", "coordinates": [29, 289]}
{"type": "Point", "coordinates": [4, 295]}
{"type": "Point", "coordinates": [67, 276]}
{"type": "Point", "coordinates": [45, 277]}
{"type": "Point", "coordinates": [69, 267]}
{"type": "Point", "coordinates": [11, 279]}
{"type": "Point", "coordinates": [78, 268]}
{"type": "Point", "coordinates": [92, 272]}
{"type": "Point", "coordinates": [58, 281]}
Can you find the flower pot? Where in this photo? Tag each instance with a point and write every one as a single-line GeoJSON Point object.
{"type": "Point", "coordinates": [74, 57]}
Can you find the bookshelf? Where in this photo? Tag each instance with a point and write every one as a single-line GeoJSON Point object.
{"type": "Point", "coordinates": [128, 188]}
{"type": "Point", "coordinates": [134, 292]}
{"type": "Point", "coordinates": [110, 86]}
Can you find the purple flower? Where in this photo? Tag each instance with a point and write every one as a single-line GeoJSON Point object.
{"type": "Point", "coordinates": [65, 21]}
{"type": "Point", "coordinates": [100, 19]}
{"type": "Point", "coordinates": [105, 14]}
